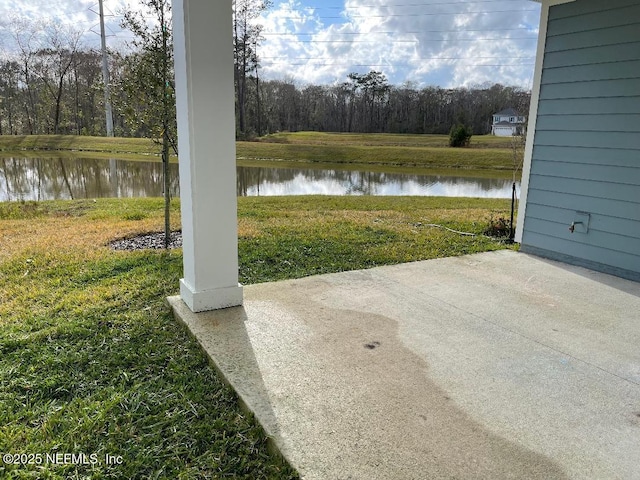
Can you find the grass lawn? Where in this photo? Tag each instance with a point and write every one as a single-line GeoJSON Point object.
{"type": "Point", "coordinates": [93, 362]}
{"type": "Point", "coordinates": [381, 150]}
{"type": "Point", "coordinates": [124, 148]}
{"type": "Point", "coordinates": [381, 139]}
{"type": "Point", "coordinates": [356, 151]}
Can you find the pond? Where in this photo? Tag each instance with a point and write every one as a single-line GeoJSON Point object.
{"type": "Point", "coordinates": [74, 178]}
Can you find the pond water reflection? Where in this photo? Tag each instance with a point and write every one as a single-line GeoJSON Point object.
{"type": "Point", "coordinates": [266, 182]}
{"type": "Point", "coordinates": [74, 178]}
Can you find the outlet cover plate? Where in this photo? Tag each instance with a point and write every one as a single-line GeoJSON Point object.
{"type": "Point", "coordinates": [581, 220]}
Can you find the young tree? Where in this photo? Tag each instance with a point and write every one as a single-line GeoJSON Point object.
{"type": "Point", "coordinates": [459, 136]}
{"type": "Point", "coordinates": [151, 79]}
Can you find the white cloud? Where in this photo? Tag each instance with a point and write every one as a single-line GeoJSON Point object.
{"type": "Point", "coordinates": [430, 42]}
{"type": "Point", "coordinates": [82, 15]}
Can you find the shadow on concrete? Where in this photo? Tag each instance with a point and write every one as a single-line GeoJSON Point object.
{"type": "Point", "coordinates": [624, 285]}
{"type": "Point", "coordinates": [223, 336]}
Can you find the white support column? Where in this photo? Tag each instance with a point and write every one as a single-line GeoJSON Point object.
{"type": "Point", "coordinates": [203, 44]}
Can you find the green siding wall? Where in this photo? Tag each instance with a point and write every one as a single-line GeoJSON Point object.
{"type": "Point", "coordinates": [586, 155]}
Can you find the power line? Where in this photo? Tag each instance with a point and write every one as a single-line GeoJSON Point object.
{"type": "Point", "coordinates": [419, 59]}
{"type": "Point", "coordinates": [422, 14]}
{"type": "Point", "coordinates": [387, 65]}
{"type": "Point", "coordinates": [408, 31]}
{"type": "Point", "coordinates": [354, 41]}
{"type": "Point", "coordinates": [419, 40]}
{"type": "Point", "coordinates": [429, 4]}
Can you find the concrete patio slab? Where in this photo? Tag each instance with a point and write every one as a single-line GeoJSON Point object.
{"type": "Point", "coordinates": [490, 366]}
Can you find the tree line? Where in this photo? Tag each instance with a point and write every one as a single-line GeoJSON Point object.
{"type": "Point", "coordinates": [53, 84]}
{"type": "Point", "coordinates": [366, 103]}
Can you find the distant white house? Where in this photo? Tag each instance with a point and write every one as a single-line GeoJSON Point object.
{"type": "Point", "coordinates": [507, 123]}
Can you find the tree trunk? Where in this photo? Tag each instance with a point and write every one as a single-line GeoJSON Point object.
{"type": "Point", "coordinates": [165, 136]}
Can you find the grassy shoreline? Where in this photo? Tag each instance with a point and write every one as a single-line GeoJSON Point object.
{"type": "Point", "coordinates": [322, 150]}
{"type": "Point", "coordinates": [92, 360]}
{"type": "Point", "coordinates": [71, 143]}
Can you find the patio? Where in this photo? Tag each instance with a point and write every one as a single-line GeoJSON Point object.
{"type": "Point", "coordinates": [496, 365]}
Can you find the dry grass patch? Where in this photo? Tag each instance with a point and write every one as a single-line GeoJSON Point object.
{"type": "Point", "coordinates": [84, 236]}
{"type": "Point", "coordinates": [248, 228]}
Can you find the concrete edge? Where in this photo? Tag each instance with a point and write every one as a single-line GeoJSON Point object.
{"type": "Point", "coordinates": [181, 312]}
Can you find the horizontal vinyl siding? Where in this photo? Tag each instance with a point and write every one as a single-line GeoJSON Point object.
{"type": "Point", "coordinates": [624, 87]}
{"type": "Point", "coordinates": [611, 242]}
{"type": "Point", "coordinates": [627, 52]}
{"type": "Point", "coordinates": [611, 140]}
{"type": "Point", "coordinates": [603, 224]}
{"type": "Point", "coordinates": [599, 207]}
{"type": "Point", "coordinates": [588, 189]}
{"type": "Point", "coordinates": [586, 155]}
{"type": "Point", "coordinates": [591, 72]}
{"type": "Point", "coordinates": [591, 15]}
{"type": "Point", "coordinates": [592, 173]}
{"type": "Point", "coordinates": [626, 123]}
{"type": "Point", "coordinates": [585, 39]}
{"type": "Point", "coordinates": [589, 106]}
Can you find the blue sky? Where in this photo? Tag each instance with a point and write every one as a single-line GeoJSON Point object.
{"type": "Point", "coordinates": [426, 42]}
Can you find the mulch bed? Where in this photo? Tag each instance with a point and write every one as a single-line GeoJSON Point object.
{"type": "Point", "coordinates": [148, 241]}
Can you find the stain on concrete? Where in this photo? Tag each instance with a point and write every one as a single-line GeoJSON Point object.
{"type": "Point", "coordinates": [387, 418]}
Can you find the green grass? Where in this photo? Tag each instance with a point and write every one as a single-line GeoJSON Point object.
{"type": "Point", "coordinates": [381, 139]}
{"type": "Point", "coordinates": [357, 150]}
{"type": "Point", "coordinates": [92, 360]}
{"type": "Point", "coordinates": [392, 156]}
{"type": "Point", "coordinates": [298, 236]}
{"type": "Point", "coordinates": [122, 147]}
{"type": "Point", "coordinates": [322, 150]}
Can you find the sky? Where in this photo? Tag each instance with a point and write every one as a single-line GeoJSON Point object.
{"type": "Point", "coordinates": [79, 14]}
{"type": "Point", "coordinates": [425, 42]}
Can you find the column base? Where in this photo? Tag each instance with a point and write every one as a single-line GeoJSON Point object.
{"type": "Point", "coordinates": [210, 299]}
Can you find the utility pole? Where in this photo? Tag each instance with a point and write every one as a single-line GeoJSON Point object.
{"type": "Point", "coordinates": [105, 74]}
{"type": "Point", "coordinates": [258, 90]}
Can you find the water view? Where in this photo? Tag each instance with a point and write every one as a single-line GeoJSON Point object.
{"type": "Point", "coordinates": [39, 179]}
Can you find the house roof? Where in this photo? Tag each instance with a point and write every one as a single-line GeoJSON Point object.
{"type": "Point", "coordinates": [508, 112]}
